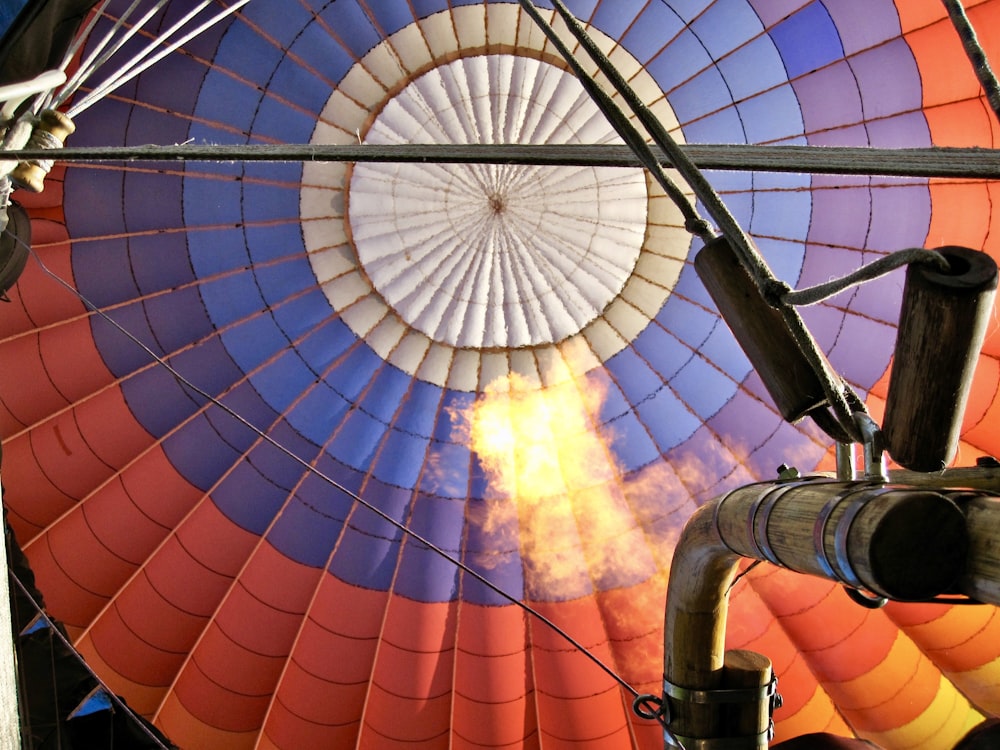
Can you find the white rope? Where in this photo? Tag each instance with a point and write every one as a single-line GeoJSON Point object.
{"type": "Point", "coordinates": [135, 68]}
{"type": "Point", "coordinates": [88, 65]}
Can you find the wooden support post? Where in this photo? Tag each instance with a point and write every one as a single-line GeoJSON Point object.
{"type": "Point", "coordinates": [941, 327]}
{"type": "Point", "coordinates": [761, 332]}
{"type": "Point", "coordinates": [748, 670]}
{"type": "Point", "coordinates": [10, 723]}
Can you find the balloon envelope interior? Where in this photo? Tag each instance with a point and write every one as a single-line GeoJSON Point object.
{"type": "Point", "coordinates": [515, 362]}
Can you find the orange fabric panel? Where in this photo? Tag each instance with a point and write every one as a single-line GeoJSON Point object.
{"type": "Point", "coordinates": [945, 73]}
{"type": "Point", "coordinates": [287, 729]}
{"type": "Point", "coordinates": [226, 686]}
{"type": "Point", "coordinates": [577, 701]}
{"type": "Point", "coordinates": [158, 491]}
{"type": "Point", "coordinates": [751, 626]}
{"type": "Point", "coordinates": [215, 541]}
{"type": "Point", "coordinates": [143, 699]}
{"type": "Point", "coordinates": [414, 668]}
{"type": "Point", "coordinates": [392, 720]}
{"type": "Point", "coordinates": [186, 730]}
{"type": "Point", "coordinates": [493, 683]}
{"type": "Point", "coordinates": [853, 651]}
{"type": "Point", "coordinates": [985, 383]}
{"type": "Point", "coordinates": [960, 214]}
{"type": "Point", "coordinates": [33, 392]}
{"type": "Point", "coordinates": [144, 637]}
{"type": "Point", "coordinates": [183, 581]}
{"type": "Point", "coordinates": [633, 619]}
{"type": "Point", "coordinates": [964, 642]}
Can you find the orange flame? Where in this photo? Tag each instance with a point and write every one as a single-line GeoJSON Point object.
{"type": "Point", "coordinates": [555, 481]}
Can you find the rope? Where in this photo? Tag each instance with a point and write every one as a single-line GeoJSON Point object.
{"type": "Point", "coordinates": [975, 52]}
{"type": "Point", "coordinates": [819, 292]}
{"type": "Point", "coordinates": [401, 527]}
{"type": "Point", "coordinates": [833, 386]}
{"type": "Point", "coordinates": [693, 223]}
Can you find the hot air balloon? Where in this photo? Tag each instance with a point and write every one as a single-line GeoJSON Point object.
{"type": "Point", "coordinates": [389, 452]}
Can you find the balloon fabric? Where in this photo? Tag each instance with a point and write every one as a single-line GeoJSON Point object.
{"type": "Point", "coordinates": [298, 451]}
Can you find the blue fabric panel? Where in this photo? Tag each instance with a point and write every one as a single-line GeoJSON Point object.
{"type": "Point", "coordinates": [300, 316]}
{"type": "Point", "coordinates": [724, 27]}
{"type": "Point", "coordinates": [160, 208]}
{"type": "Point", "coordinates": [246, 402]}
{"type": "Point", "coordinates": [254, 341]}
{"type": "Point", "coordinates": [326, 58]}
{"type": "Point", "coordinates": [614, 18]}
{"type": "Point", "coordinates": [248, 498]}
{"type": "Point", "coordinates": [198, 454]}
{"type": "Point", "coordinates": [689, 9]}
{"type": "Point", "coordinates": [492, 550]}
{"type": "Point", "coordinates": [354, 372]}
{"type": "Point", "coordinates": [632, 442]}
{"type": "Point", "coordinates": [782, 206]}
{"type": "Point", "coordinates": [700, 96]}
{"type": "Point", "coordinates": [783, 257]}
{"type": "Point", "coordinates": [170, 408]}
{"type": "Point", "coordinates": [807, 40]}
{"type": "Point", "coordinates": [636, 380]}
{"type": "Point", "coordinates": [703, 387]}
{"type": "Point", "coordinates": [317, 415]}
{"type": "Point", "coordinates": [305, 534]}
{"type": "Point", "coordinates": [101, 272]}
{"type": "Point", "coordinates": [447, 470]}
{"type": "Point", "coordinates": [664, 353]}
{"type": "Point", "coordinates": [353, 26]}
{"type": "Point", "coordinates": [682, 59]}
{"type": "Point", "coordinates": [356, 440]}
{"type": "Point", "coordinates": [284, 380]}
{"type": "Point", "coordinates": [719, 127]}
{"type": "Point", "coordinates": [365, 561]}
{"type": "Point", "coordinates": [388, 388]}
{"type": "Point", "coordinates": [746, 420]}
{"type": "Point", "coordinates": [667, 419]}
{"type": "Point", "coordinates": [283, 281]}
{"type": "Point", "coordinates": [690, 323]}
{"type": "Point", "coordinates": [224, 100]}
{"type": "Point", "coordinates": [325, 344]}
{"type": "Point", "coordinates": [424, 8]}
{"type": "Point", "coordinates": [656, 25]}
{"type": "Point", "coordinates": [178, 319]}
{"type": "Point", "coordinates": [230, 299]}
{"type": "Point", "coordinates": [425, 575]}
{"type": "Point", "coordinates": [401, 459]}
{"type": "Point", "coordinates": [721, 350]}
{"type": "Point", "coordinates": [368, 552]}
{"type": "Point", "coordinates": [277, 121]}
{"type": "Point", "coordinates": [391, 17]}
{"type": "Point", "coordinates": [418, 413]}
{"type": "Point", "coordinates": [159, 261]}
{"type": "Point", "coordinates": [283, 21]}
{"type": "Point", "coordinates": [274, 242]}
{"type": "Point", "coordinates": [752, 69]}
{"type": "Point", "coordinates": [771, 117]}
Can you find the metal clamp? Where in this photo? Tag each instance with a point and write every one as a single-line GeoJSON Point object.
{"type": "Point", "coordinates": [766, 693]}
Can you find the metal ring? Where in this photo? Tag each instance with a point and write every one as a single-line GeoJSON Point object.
{"type": "Point", "coordinates": [819, 528]}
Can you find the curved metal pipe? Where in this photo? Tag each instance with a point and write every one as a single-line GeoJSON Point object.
{"type": "Point", "coordinates": [900, 542]}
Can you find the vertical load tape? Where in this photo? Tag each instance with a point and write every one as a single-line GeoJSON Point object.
{"type": "Point", "coordinates": [942, 323]}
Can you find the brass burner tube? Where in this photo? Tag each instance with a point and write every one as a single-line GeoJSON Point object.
{"type": "Point", "coordinates": [899, 542]}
